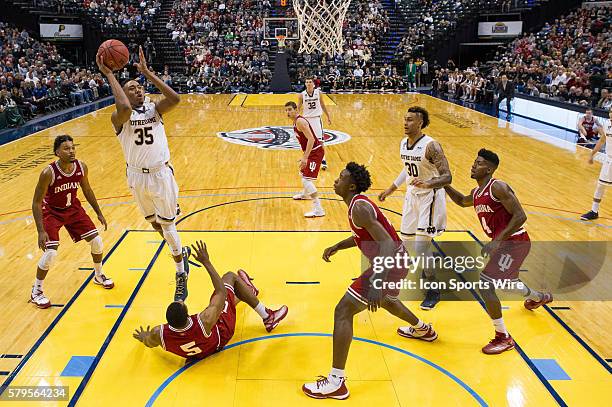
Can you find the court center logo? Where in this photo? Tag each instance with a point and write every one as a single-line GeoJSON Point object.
{"type": "Point", "coordinates": [277, 137]}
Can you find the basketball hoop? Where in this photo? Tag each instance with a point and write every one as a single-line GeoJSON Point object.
{"type": "Point", "coordinates": [320, 23]}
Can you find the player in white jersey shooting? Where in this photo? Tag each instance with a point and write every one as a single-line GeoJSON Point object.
{"type": "Point", "coordinates": [312, 105]}
{"type": "Point", "coordinates": [605, 176]}
{"type": "Point", "coordinates": [140, 129]}
{"type": "Point", "coordinates": [426, 172]}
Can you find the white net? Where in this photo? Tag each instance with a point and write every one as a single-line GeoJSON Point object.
{"type": "Point", "coordinates": [320, 24]}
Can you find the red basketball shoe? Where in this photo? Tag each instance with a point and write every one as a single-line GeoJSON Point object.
{"type": "Point", "coordinates": [531, 304]}
{"type": "Point", "coordinates": [428, 335]}
{"type": "Point", "coordinates": [499, 344]}
{"type": "Point", "coordinates": [275, 317]}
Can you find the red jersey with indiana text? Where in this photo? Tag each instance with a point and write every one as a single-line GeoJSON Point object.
{"type": "Point", "coordinates": [303, 140]}
{"type": "Point", "coordinates": [493, 217]}
{"type": "Point", "coordinates": [364, 240]}
{"type": "Point", "coordinates": [62, 192]}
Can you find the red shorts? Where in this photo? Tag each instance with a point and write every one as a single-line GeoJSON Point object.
{"type": "Point", "coordinates": [391, 287]}
{"type": "Point", "coordinates": [74, 219]}
{"type": "Point", "coordinates": [506, 261]}
{"type": "Point", "coordinates": [227, 319]}
{"type": "Point", "coordinates": [313, 165]}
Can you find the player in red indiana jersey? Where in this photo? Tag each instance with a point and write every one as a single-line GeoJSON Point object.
{"type": "Point", "coordinates": [55, 204]}
{"type": "Point", "coordinates": [310, 163]}
{"type": "Point", "coordinates": [589, 129]}
{"type": "Point", "coordinates": [502, 217]}
{"type": "Point", "coordinates": [374, 235]}
{"type": "Point", "coordinates": [200, 335]}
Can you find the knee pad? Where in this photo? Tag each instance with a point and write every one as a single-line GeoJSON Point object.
{"type": "Point", "coordinates": [97, 247]}
{"type": "Point", "coordinates": [309, 187]}
{"type": "Point", "coordinates": [47, 259]}
{"type": "Point", "coordinates": [172, 238]}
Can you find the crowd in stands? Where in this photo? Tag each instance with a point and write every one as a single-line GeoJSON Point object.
{"type": "Point", "coordinates": [33, 81]}
{"type": "Point", "coordinates": [111, 15]}
{"type": "Point", "coordinates": [569, 60]}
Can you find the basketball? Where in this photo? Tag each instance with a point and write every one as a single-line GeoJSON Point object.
{"type": "Point", "coordinates": [115, 54]}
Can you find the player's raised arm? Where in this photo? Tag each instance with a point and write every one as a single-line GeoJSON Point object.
{"type": "Point", "coordinates": [458, 197]}
{"type": "Point", "coordinates": [122, 103]}
{"type": "Point", "coordinates": [171, 98]}
{"type": "Point", "coordinates": [210, 315]}
{"type": "Point", "coordinates": [508, 199]}
{"type": "Point", "coordinates": [91, 196]}
{"type": "Point", "coordinates": [151, 338]}
{"type": "Point", "coordinates": [39, 193]}
{"type": "Point", "coordinates": [436, 156]}
{"type": "Point", "coordinates": [304, 127]}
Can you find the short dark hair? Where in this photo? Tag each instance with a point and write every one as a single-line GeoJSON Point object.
{"type": "Point", "coordinates": [489, 155]}
{"type": "Point", "coordinates": [292, 104]}
{"type": "Point", "coordinates": [59, 140]}
{"type": "Point", "coordinates": [424, 114]}
{"type": "Point", "coordinates": [360, 175]}
{"type": "Point", "coordinates": [126, 80]}
{"type": "Point", "coordinates": [309, 77]}
{"type": "Point", "coordinates": [176, 314]}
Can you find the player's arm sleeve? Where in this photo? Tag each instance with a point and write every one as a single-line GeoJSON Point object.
{"type": "Point", "coordinates": [401, 178]}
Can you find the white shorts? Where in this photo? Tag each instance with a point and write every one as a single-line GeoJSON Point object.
{"type": "Point", "coordinates": [317, 126]}
{"type": "Point", "coordinates": [424, 214]}
{"type": "Point", "coordinates": [156, 194]}
{"type": "Point", "coordinates": [605, 176]}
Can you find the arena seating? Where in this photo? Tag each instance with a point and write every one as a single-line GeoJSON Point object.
{"type": "Point", "coordinates": [35, 79]}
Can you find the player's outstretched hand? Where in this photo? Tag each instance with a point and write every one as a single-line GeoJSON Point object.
{"type": "Point", "coordinates": [141, 65]}
{"type": "Point", "coordinates": [43, 238]}
{"type": "Point", "coordinates": [141, 334]}
{"type": "Point", "coordinates": [102, 220]}
{"type": "Point", "coordinates": [330, 251]}
{"type": "Point", "coordinates": [102, 66]}
{"type": "Point", "coordinates": [489, 248]}
{"type": "Point", "coordinates": [200, 252]}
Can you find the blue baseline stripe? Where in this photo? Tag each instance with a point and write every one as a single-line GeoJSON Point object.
{"type": "Point", "coordinates": [567, 328]}
{"type": "Point", "coordinates": [545, 382]}
{"type": "Point", "coordinates": [174, 375]}
{"type": "Point", "coordinates": [40, 340]}
{"type": "Point", "coordinates": [4, 373]}
{"type": "Point", "coordinates": [111, 334]}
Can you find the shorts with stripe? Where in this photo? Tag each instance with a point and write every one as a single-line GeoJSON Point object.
{"type": "Point", "coordinates": [227, 320]}
{"type": "Point", "coordinates": [156, 194]}
{"type": "Point", "coordinates": [360, 288]}
{"type": "Point", "coordinates": [74, 218]}
{"type": "Point", "coordinates": [605, 176]}
{"type": "Point", "coordinates": [424, 214]}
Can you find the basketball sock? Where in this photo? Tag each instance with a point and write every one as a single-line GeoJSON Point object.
{"type": "Point", "coordinates": [595, 207]}
{"type": "Point", "coordinates": [97, 268]}
{"type": "Point", "coordinates": [499, 326]}
{"type": "Point", "coordinates": [531, 294]}
{"type": "Point", "coordinates": [336, 376]}
{"type": "Point", "coordinates": [316, 203]}
{"type": "Point", "coordinates": [260, 308]}
{"type": "Point", "coordinates": [38, 285]}
{"type": "Point", "coordinates": [180, 268]}
{"type": "Point", "coordinates": [420, 326]}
